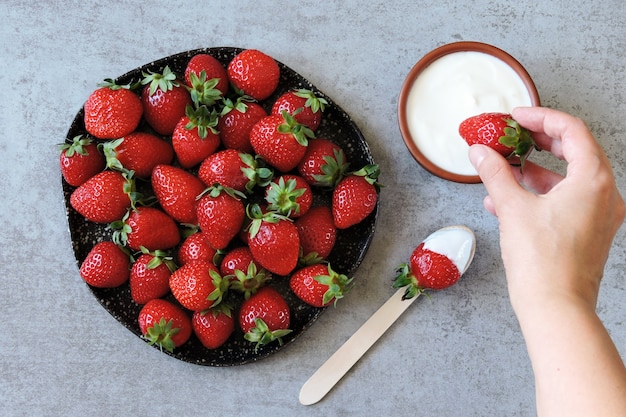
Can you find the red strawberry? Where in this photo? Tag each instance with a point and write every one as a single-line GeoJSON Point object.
{"type": "Point", "coordinates": [290, 195]}
{"type": "Point", "coordinates": [213, 327]}
{"type": "Point", "coordinates": [427, 269]}
{"type": "Point", "coordinates": [176, 191]}
{"type": "Point", "coordinates": [355, 197]}
{"type": "Point", "coordinates": [194, 137]}
{"type": "Point", "coordinates": [164, 100]}
{"type": "Point", "coordinates": [139, 152]}
{"type": "Point", "coordinates": [195, 247]}
{"type": "Point", "coordinates": [220, 215]}
{"type": "Point", "coordinates": [233, 169]}
{"type": "Point", "coordinates": [274, 242]}
{"type": "Point", "coordinates": [150, 276]}
{"type": "Point", "coordinates": [280, 140]}
{"type": "Point", "coordinates": [324, 163]}
{"type": "Point", "coordinates": [148, 227]}
{"type": "Point", "coordinates": [164, 324]}
{"type": "Point", "coordinates": [236, 121]}
{"type": "Point", "coordinates": [244, 276]}
{"type": "Point", "coordinates": [265, 317]}
{"type": "Point", "coordinates": [80, 160]}
{"type": "Point", "coordinates": [106, 266]}
{"type": "Point", "coordinates": [255, 73]}
{"type": "Point", "coordinates": [318, 285]}
{"type": "Point", "coordinates": [112, 111]}
{"type": "Point", "coordinates": [500, 132]}
{"type": "Point", "coordinates": [104, 198]}
{"type": "Point", "coordinates": [198, 285]}
{"type": "Point", "coordinates": [302, 104]}
{"type": "Point", "coordinates": [207, 78]}
{"type": "Point", "coordinates": [317, 232]}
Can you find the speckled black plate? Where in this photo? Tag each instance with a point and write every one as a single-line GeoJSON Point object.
{"type": "Point", "coordinates": [349, 250]}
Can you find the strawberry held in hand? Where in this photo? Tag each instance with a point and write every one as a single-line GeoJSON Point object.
{"type": "Point", "coordinates": [500, 132]}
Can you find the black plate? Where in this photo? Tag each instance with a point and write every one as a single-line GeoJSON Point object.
{"type": "Point", "coordinates": [349, 250]}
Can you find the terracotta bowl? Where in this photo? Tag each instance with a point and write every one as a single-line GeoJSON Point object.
{"type": "Point", "coordinates": [415, 72]}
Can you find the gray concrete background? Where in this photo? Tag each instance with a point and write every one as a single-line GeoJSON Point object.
{"type": "Point", "coordinates": [460, 354]}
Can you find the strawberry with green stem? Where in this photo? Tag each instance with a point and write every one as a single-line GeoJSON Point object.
{"type": "Point", "coordinates": [214, 326]}
{"type": "Point", "coordinates": [323, 164]}
{"type": "Point", "coordinates": [164, 324]}
{"type": "Point", "coordinates": [319, 285]}
{"type": "Point", "coordinates": [237, 170]}
{"type": "Point", "coordinates": [290, 195]}
{"type": "Point", "coordinates": [265, 317]}
{"type": "Point", "coordinates": [80, 160]}
{"type": "Point", "coordinates": [150, 275]}
{"type": "Point", "coordinates": [149, 227]}
{"type": "Point", "coordinates": [304, 105]}
{"type": "Point", "coordinates": [198, 285]}
{"type": "Point", "coordinates": [356, 196]}
{"type": "Point", "coordinates": [106, 266]}
{"type": "Point", "coordinates": [220, 214]}
{"type": "Point", "coordinates": [105, 197]}
{"type": "Point", "coordinates": [211, 75]}
{"type": "Point", "coordinates": [194, 137]}
{"type": "Point", "coordinates": [236, 121]}
{"type": "Point", "coordinates": [255, 73]}
{"type": "Point", "coordinates": [500, 132]}
{"type": "Point", "coordinates": [164, 100]}
{"type": "Point", "coordinates": [139, 152]}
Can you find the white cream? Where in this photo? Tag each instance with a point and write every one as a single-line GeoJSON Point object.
{"type": "Point", "coordinates": [456, 242]}
{"type": "Point", "coordinates": [451, 89]}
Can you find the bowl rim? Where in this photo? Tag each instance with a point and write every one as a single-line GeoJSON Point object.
{"type": "Point", "coordinates": [423, 63]}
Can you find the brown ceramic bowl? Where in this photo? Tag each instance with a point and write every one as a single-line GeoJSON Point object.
{"type": "Point", "coordinates": [415, 72]}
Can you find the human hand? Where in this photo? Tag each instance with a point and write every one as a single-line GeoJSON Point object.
{"type": "Point", "coordinates": [555, 231]}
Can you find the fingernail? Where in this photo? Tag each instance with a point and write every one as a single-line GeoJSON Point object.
{"type": "Point", "coordinates": [476, 155]}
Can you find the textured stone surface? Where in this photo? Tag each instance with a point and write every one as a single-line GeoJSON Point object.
{"type": "Point", "coordinates": [459, 354]}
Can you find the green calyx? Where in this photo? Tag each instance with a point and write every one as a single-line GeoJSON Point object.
{"type": "Point", "coordinates": [338, 285]}
{"type": "Point", "coordinates": [300, 132]}
{"type": "Point", "coordinates": [257, 218]}
{"type": "Point", "coordinates": [203, 91]}
{"type": "Point", "coordinates": [262, 335]}
{"type": "Point", "coordinates": [255, 171]}
{"type": "Point", "coordinates": [314, 102]}
{"type": "Point", "coordinates": [240, 104]}
{"type": "Point", "coordinates": [221, 288]}
{"type": "Point", "coordinates": [159, 257]}
{"type": "Point", "coordinates": [370, 173]}
{"type": "Point", "coordinates": [202, 119]}
{"type": "Point", "coordinates": [221, 308]}
{"type": "Point", "coordinates": [113, 85]}
{"type": "Point", "coordinates": [109, 149]}
{"type": "Point", "coordinates": [216, 189]}
{"type": "Point", "coordinates": [282, 195]}
{"type": "Point", "coordinates": [405, 278]}
{"type": "Point", "coordinates": [333, 170]}
{"type": "Point", "coordinates": [165, 81]}
{"type": "Point", "coordinates": [250, 281]}
{"type": "Point", "coordinates": [161, 334]}
{"type": "Point", "coordinates": [518, 138]}
{"type": "Point", "coordinates": [77, 147]}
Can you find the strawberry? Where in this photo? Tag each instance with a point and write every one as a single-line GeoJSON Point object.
{"type": "Point", "coordinates": [265, 317]}
{"type": "Point", "coordinates": [302, 104]}
{"type": "Point", "coordinates": [236, 121]}
{"type": "Point", "coordinates": [273, 240]}
{"type": "Point", "coordinates": [500, 132]}
{"type": "Point", "coordinates": [290, 195]}
{"type": "Point", "coordinates": [164, 100]}
{"type": "Point", "coordinates": [207, 79]}
{"type": "Point", "coordinates": [220, 215]}
{"type": "Point", "coordinates": [233, 169]}
{"type": "Point", "coordinates": [149, 227]}
{"type": "Point", "coordinates": [150, 276]}
{"type": "Point", "coordinates": [427, 270]}
{"type": "Point", "coordinates": [105, 197]}
{"type": "Point", "coordinates": [195, 247]}
{"type": "Point", "coordinates": [198, 285]}
{"type": "Point", "coordinates": [255, 73]}
{"type": "Point", "coordinates": [324, 163]}
{"type": "Point", "coordinates": [139, 152]}
{"type": "Point", "coordinates": [244, 276]}
{"type": "Point", "coordinates": [112, 111]}
{"type": "Point", "coordinates": [106, 266]}
{"type": "Point", "coordinates": [80, 160]}
{"type": "Point", "coordinates": [355, 197]}
{"type": "Point", "coordinates": [194, 137]}
{"type": "Point", "coordinates": [176, 191]}
{"type": "Point", "coordinates": [317, 232]}
{"type": "Point", "coordinates": [318, 285]}
{"type": "Point", "coordinates": [280, 140]}
{"type": "Point", "coordinates": [164, 324]}
{"type": "Point", "coordinates": [214, 326]}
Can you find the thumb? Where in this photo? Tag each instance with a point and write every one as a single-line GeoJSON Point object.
{"type": "Point", "coordinates": [495, 173]}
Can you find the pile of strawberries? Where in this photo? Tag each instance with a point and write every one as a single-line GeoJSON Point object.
{"type": "Point", "coordinates": [209, 198]}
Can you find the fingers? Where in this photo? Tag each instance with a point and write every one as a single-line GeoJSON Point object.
{"type": "Point", "coordinates": [536, 178]}
{"type": "Point", "coordinates": [495, 173]}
